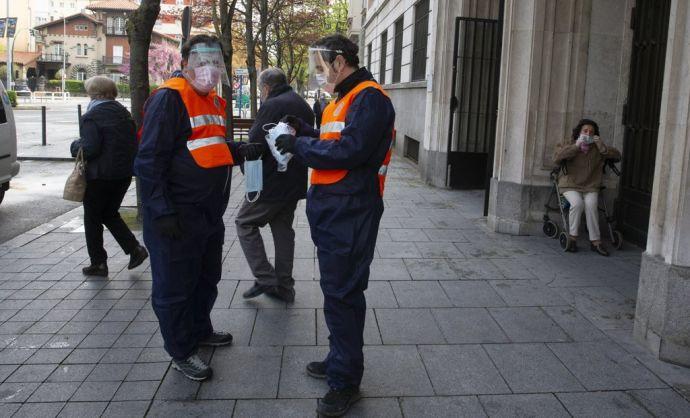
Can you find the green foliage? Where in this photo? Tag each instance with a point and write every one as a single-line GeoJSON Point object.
{"type": "Point", "coordinates": [3, 73]}
{"type": "Point", "coordinates": [71, 86]}
{"type": "Point", "coordinates": [336, 20]}
{"type": "Point", "coordinates": [13, 97]}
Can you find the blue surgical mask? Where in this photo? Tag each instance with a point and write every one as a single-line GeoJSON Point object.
{"type": "Point", "coordinates": [253, 179]}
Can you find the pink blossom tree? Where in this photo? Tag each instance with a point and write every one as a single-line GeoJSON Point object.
{"type": "Point", "coordinates": [163, 60]}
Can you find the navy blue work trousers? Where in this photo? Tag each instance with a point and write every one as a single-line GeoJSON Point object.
{"type": "Point", "coordinates": [185, 274]}
{"type": "Point", "coordinates": [344, 229]}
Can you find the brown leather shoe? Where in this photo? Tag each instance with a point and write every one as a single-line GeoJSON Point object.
{"type": "Point", "coordinates": [599, 248]}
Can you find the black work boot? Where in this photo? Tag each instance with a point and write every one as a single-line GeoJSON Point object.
{"type": "Point", "coordinates": [217, 339]}
{"type": "Point", "coordinates": [138, 255]}
{"type": "Point", "coordinates": [337, 402]}
{"type": "Point", "coordinates": [193, 367]}
{"type": "Point", "coordinates": [99, 269]}
{"type": "Point", "coordinates": [317, 369]}
{"type": "Point", "coordinates": [282, 293]}
{"type": "Point", "coordinates": [255, 291]}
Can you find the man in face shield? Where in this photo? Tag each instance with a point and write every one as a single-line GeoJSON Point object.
{"type": "Point", "coordinates": [349, 157]}
{"type": "Point", "coordinates": [184, 166]}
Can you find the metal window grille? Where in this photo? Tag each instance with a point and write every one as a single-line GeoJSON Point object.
{"type": "Point", "coordinates": [421, 34]}
{"type": "Point", "coordinates": [397, 49]}
{"type": "Point", "coordinates": [384, 52]}
{"type": "Point", "coordinates": [411, 149]}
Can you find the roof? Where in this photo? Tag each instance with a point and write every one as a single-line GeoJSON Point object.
{"type": "Point", "coordinates": [113, 5]}
{"type": "Point", "coordinates": [21, 58]}
{"type": "Point", "coordinates": [165, 35]}
{"type": "Point", "coordinates": [67, 19]}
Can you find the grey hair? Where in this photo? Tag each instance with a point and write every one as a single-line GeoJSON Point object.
{"type": "Point", "coordinates": [101, 87]}
{"type": "Point", "coordinates": [272, 78]}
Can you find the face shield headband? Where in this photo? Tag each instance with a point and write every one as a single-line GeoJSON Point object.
{"type": "Point", "coordinates": [205, 68]}
{"type": "Point", "coordinates": [321, 72]}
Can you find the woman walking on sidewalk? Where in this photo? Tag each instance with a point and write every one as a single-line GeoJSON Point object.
{"type": "Point", "coordinates": [108, 140]}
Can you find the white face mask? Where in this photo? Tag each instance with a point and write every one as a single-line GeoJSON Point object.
{"type": "Point", "coordinates": [206, 78]}
{"type": "Point", "coordinates": [321, 79]}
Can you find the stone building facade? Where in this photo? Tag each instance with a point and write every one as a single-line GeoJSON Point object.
{"type": "Point", "coordinates": [623, 63]}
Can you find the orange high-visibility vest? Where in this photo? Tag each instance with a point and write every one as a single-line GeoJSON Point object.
{"type": "Point", "coordinates": [332, 123]}
{"type": "Point", "coordinates": [207, 118]}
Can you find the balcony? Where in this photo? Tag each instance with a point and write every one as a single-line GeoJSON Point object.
{"type": "Point", "coordinates": [115, 60]}
{"type": "Point", "coordinates": [114, 30]}
{"type": "Point", "coordinates": [52, 57]}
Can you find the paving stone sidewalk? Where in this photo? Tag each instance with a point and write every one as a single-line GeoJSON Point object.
{"type": "Point", "coordinates": [461, 322]}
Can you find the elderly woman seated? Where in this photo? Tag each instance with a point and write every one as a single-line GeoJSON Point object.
{"type": "Point", "coordinates": [584, 155]}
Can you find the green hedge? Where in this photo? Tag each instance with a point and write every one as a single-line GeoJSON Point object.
{"type": "Point", "coordinates": [71, 86]}
{"type": "Point", "coordinates": [13, 97]}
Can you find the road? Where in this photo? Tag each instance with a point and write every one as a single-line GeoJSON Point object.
{"type": "Point", "coordinates": [35, 196]}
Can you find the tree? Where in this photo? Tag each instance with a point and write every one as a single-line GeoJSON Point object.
{"type": "Point", "coordinates": [139, 28]}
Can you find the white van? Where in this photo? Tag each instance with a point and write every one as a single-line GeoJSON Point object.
{"type": "Point", "coordinates": [9, 167]}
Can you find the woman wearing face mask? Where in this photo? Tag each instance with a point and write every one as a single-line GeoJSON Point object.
{"type": "Point", "coordinates": [108, 140]}
{"type": "Point", "coordinates": [584, 156]}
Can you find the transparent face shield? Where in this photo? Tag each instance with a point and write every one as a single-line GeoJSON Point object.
{"type": "Point", "coordinates": [321, 72]}
{"type": "Point", "coordinates": [205, 68]}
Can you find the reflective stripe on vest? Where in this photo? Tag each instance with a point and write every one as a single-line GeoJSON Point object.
{"type": "Point", "coordinates": [207, 119]}
{"type": "Point", "coordinates": [332, 124]}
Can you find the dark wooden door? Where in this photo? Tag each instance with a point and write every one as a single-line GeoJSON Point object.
{"type": "Point", "coordinates": [641, 117]}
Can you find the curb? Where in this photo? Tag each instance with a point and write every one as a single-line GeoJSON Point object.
{"type": "Point", "coordinates": [20, 158]}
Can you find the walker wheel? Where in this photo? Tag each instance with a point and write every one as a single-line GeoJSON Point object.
{"type": "Point", "coordinates": [617, 241]}
{"type": "Point", "coordinates": [564, 241]}
{"type": "Point", "coordinates": [550, 229]}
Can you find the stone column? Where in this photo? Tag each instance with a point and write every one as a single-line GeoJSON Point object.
{"type": "Point", "coordinates": [541, 95]}
{"type": "Point", "coordinates": [662, 317]}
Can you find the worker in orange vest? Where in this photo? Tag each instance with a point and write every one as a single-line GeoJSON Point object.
{"type": "Point", "coordinates": [184, 166]}
{"type": "Point", "coordinates": [349, 157]}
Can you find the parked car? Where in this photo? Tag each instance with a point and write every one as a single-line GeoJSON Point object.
{"type": "Point", "coordinates": [22, 90]}
{"type": "Point", "coordinates": [9, 167]}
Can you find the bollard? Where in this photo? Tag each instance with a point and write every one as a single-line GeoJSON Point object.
{"type": "Point", "coordinates": [79, 114]}
{"type": "Point", "coordinates": [43, 126]}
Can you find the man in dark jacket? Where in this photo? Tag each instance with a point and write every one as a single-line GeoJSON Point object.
{"type": "Point", "coordinates": [278, 200]}
{"type": "Point", "coordinates": [108, 142]}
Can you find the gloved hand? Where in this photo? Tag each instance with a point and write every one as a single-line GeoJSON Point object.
{"type": "Point", "coordinates": [294, 122]}
{"type": "Point", "coordinates": [169, 226]}
{"type": "Point", "coordinates": [286, 143]}
{"type": "Point", "coordinates": [251, 151]}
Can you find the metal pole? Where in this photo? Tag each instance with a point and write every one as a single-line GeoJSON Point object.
{"type": "Point", "coordinates": [64, 54]}
{"type": "Point", "coordinates": [79, 114]}
{"type": "Point", "coordinates": [43, 126]}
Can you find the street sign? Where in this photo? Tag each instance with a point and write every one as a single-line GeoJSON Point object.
{"type": "Point", "coordinates": [241, 71]}
{"type": "Point", "coordinates": [11, 26]}
{"type": "Point", "coordinates": [235, 85]}
{"type": "Point", "coordinates": [2, 28]}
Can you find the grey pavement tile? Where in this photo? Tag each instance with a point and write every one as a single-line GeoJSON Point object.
{"type": "Point", "coordinates": [308, 294]}
{"type": "Point", "coordinates": [462, 370]}
{"type": "Point", "coordinates": [523, 406]}
{"type": "Point", "coordinates": [30, 341]}
{"type": "Point", "coordinates": [43, 410]}
{"type": "Point", "coordinates": [294, 381]}
{"type": "Point", "coordinates": [445, 235]}
{"type": "Point", "coordinates": [278, 408]}
{"type": "Point", "coordinates": [472, 294]}
{"type": "Point", "coordinates": [602, 404]}
{"type": "Point", "coordinates": [284, 327]}
{"type": "Point", "coordinates": [148, 371]}
{"type": "Point", "coordinates": [673, 375]}
{"type": "Point", "coordinates": [16, 355]}
{"type": "Point", "coordinates": [468, 325]}
{"type": "Point", "coordinates": [513, 269]}
{"type": "Point", "coordinates": [83, 409]}
{"type": "Point", "coordinates": [527, 293]}
{"type": "Point", "coordinates": [407, 234]}
{"type": "Point", "coordinates": [14, 327]}
{"type": "Point", "coordinates": [8, 409]}
{"type": "Point", "coordinates": [119, 315]}
{"type": "Point", "coordinates": [244, 372]}
{"type": "Point", "coordinates": [380, 295]}
{"type": "Point", "coordinates": [132, 341]}
{"type": "Point", "coordinates": [29, 315]}
{"type": "Point", "coordinates": [137, 391]}
{"type": "Point", "coordinates": [129, 409]}
{"type": "Point", "coordinates": [201, 408]}
{"type": "Point", "coordinates": [604, 307]}
{"type": "Point", "coordinates": [46, 327]}
{"type": "Point", "coordinates": [153, 355]}
{"type": "Point", "coordinates": [394, 371]}
{"type": "Point", "coordinates": [528, 325]}
{"type": "Point", "coordinates": [90, 315]}
{"type": "Point", "coordinates": [663, 402]}
{"type": "Point", "coordinates": [485, 250]}
{"type": "Point", "coordinates": [476, 269]}
{"type": "Point", "coordinates": [420, 295]}
{"type": "Point", "coordinates": [175, 386]}
{"type": "Point", "coordinates": [32, 373]}
{"type": "Point", "coordinates": [149, 327]}
{"type": "Point", "coordinates": [109, 372]}
{"type": "Point", "coordinates": [532, 368]}
{"type": "Point", "coordinates": [96, 391]}
{"type": "Point", "coordinates": [99, 341]}
{"type": "Point", "coordinates": [604, 366]}
{"type": "Point", "coordinates": [60, 315]}
{"type": "Point", "coordinates": [376, 407]}
{"type": "Point", "coordinates": [388, 269]}
{"type": "Point", "coordinates": [49, 356]}
{"type": "Point", "coordinates": [6, 370]}
{"type": "Point", "coordinates": [574, 323]}
{"type": "Point", "coordinates": [398, 250]}
{"type": "Point", "coordinates": [71, 373]}
{"type": "Point", "coordinates": [430, 270]}
{"type": "Point", "coordinates": [447, 406]}
{"type": "Point", "coordinates": [439, 250]}
{"type": "Point", "coordinates": [372, 335]}
{"type": "Point", "coordinates": [110, 327]}
{"type": "Point", "coordinates": [408, 326]}
{"type": "Point", "coordinates": [54, 392]}
{"type": "Point", "coordinates": [78, 327]}
{"type": "Point", "coordinates": [121, 355]}
{"type": "Point", "coordinates": [86, 355]}
{"type": "Point", "coordinates": [17, 392]}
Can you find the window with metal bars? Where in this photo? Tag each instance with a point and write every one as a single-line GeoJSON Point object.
{"type": "Point", "coordinates": [397, 49]}
{"type": "Point", "coordinates": [384, 52]}
{"type": "Point", "coordinates": [421, 33]}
